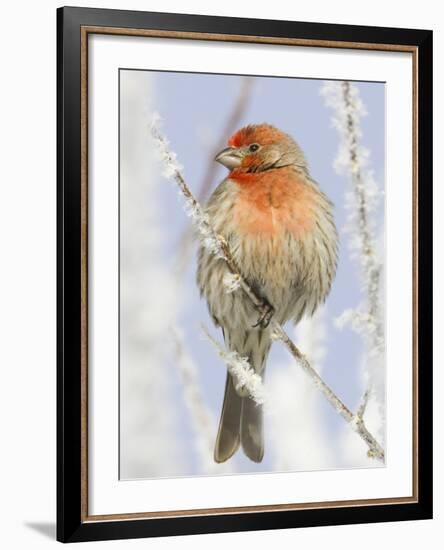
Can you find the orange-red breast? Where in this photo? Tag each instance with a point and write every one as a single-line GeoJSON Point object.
{"type": "Point", "coordinates": [280, 228]}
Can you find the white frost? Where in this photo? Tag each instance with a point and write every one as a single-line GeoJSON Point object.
{"type": "Point", "coordinates": [231, 282]}
{"type": "Point", "coordinates": [173, 171]}
{"type": "Point", "coordinates": [245, 378]}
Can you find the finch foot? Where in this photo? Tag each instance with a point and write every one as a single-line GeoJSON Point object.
{"type": "Point", "coordinates": [266, 314]}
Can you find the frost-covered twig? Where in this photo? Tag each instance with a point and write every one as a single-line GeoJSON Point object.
{"type": "Point", "coordinates": [352, 160]}
{"type": "Point", "coordinates": [217, 245]}
{"type": "Point", "coordinates": [202, 420]}
{"type": "Point", "coordinates": [363, 403]}
{"type": "Point", "coordinates": [172, 170]}
{"type": "Point", "coordinates": [245, 378]}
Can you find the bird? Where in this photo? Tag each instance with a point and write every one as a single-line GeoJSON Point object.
{"type": "Point", "coordinates": [280, 229]}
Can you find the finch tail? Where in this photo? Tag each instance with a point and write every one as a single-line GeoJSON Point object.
{"type": "Point", "coordinates": [228, 435]}
{"type": "Point", "coordinates": [252, 429]}
{"type": "Point", "coordinates": [242, 419]}
{"type": "Point", "coordinates": [252, 415]}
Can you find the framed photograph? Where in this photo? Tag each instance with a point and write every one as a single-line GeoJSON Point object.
{"type": "Point", "coordinates": [237, 197]}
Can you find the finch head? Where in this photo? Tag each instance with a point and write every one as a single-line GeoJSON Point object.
{"type": "Point", "coordinates": [260, 147]}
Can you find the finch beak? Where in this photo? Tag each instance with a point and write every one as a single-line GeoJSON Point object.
{"type": "Point", "coordinates": [229, 157]}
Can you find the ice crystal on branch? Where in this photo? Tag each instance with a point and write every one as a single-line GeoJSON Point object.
{"type": "Point", "coordinates": [173, 171]}
{"type": "Point", "coordinates": [169, 159]}
{"type": "Point", "coordinates": [364, 324]}
{"type": "Point", "coordinates": [231, 282]}
{"type": "Point", "coordinates": [245, 378]}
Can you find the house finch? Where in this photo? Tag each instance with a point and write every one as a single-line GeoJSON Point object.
{"type": "Point", "coordinates": [280, 229]}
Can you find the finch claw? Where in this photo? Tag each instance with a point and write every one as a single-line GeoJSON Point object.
{"type": "Point", "coordinates": [267, 312]}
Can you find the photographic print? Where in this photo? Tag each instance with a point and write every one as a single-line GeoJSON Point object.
{"type": "Point", "coordinates": [244, 274]}
{"type": "Point", "coordinates": [251, 274]}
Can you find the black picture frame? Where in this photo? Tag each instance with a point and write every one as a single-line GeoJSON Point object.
{"type": "Point", "coordinates": [72, 524]}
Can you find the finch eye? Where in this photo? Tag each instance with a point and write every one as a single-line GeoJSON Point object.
{"type": "Point", "coordinates": [253, 147]}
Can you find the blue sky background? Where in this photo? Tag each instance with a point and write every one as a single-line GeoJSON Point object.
{"type": "Point", "coordinates": [194, 109]}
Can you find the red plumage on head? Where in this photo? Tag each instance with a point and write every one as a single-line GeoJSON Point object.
{"type": "Point", "coordinates": [263, 134]}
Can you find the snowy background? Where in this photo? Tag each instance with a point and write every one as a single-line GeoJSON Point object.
{"type": "Point", "coordinates": [171, 379]}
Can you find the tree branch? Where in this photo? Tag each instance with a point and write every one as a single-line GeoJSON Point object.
{"type": "Point", "coordinates": [353, 160]}
{"type": "Point", "coordinates": [371, 267]}
{"type": "Point", "coordinates": [217, 245]}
